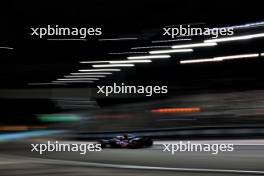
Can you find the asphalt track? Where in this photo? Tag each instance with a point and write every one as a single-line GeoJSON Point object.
{"type": "Point", "coordinates": [247, 159]}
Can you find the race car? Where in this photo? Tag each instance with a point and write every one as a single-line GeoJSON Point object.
{"type": "Point", "coordinates": [126, 141]}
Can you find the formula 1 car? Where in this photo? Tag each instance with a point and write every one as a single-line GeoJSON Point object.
{"type": "Point", "coordinates": [126, 141]}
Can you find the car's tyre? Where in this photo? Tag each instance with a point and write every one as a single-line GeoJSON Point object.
{"type": "Point", "coordinates": [103, 143]}
{"type": "Point", "coordinates": [148, 142]}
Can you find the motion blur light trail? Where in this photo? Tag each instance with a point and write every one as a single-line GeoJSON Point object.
{"type": "Point", "coordinates": [58, 118]}
{"type": "Point", "coordinates": [175, 110]}
{"type": "Point", "coordinates": [20, 127]}
{"type": "Point", "coordinates": [28, 134]}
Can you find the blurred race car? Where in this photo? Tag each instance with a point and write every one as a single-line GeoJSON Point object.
{"type": "Point", "coordinates": [126, 141]}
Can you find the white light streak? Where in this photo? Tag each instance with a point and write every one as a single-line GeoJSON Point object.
{"type": "Point", "coordinates": [113, 65]}
{"type": "Point", "coordinates": [78, 79]}
{"type": "Point", "coordinates": [222, 58]}
{"type": "Point", "coordinates": [171, 51]}
{"type": "Point", "coordinates": [149, 57]}
{"type": "Point", "coordinates": [199, 61]}
{"type": "Point", "coordinates": [92, 62]}
{"type": "Point", "coordinates": [93, 73]}
{"type": "Point", "coordinates": [116, 61]}
{"type": "Point", "coordinates": [194, 45]}
{"type": "Point", "coordinates": [237, 56]}
{"type": "Point", "coordinates": [128, 53]}
{"type": "Point", "coordinates": [130, 61]}
{"type": "Point", "coordinates": [99, 70]}
{"type": "Point", "coordinates": [5, 47]}
{"type": "Point", "coordinates": [75, 81]}
{"type": "Point", "coordinates": [85, 76]}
